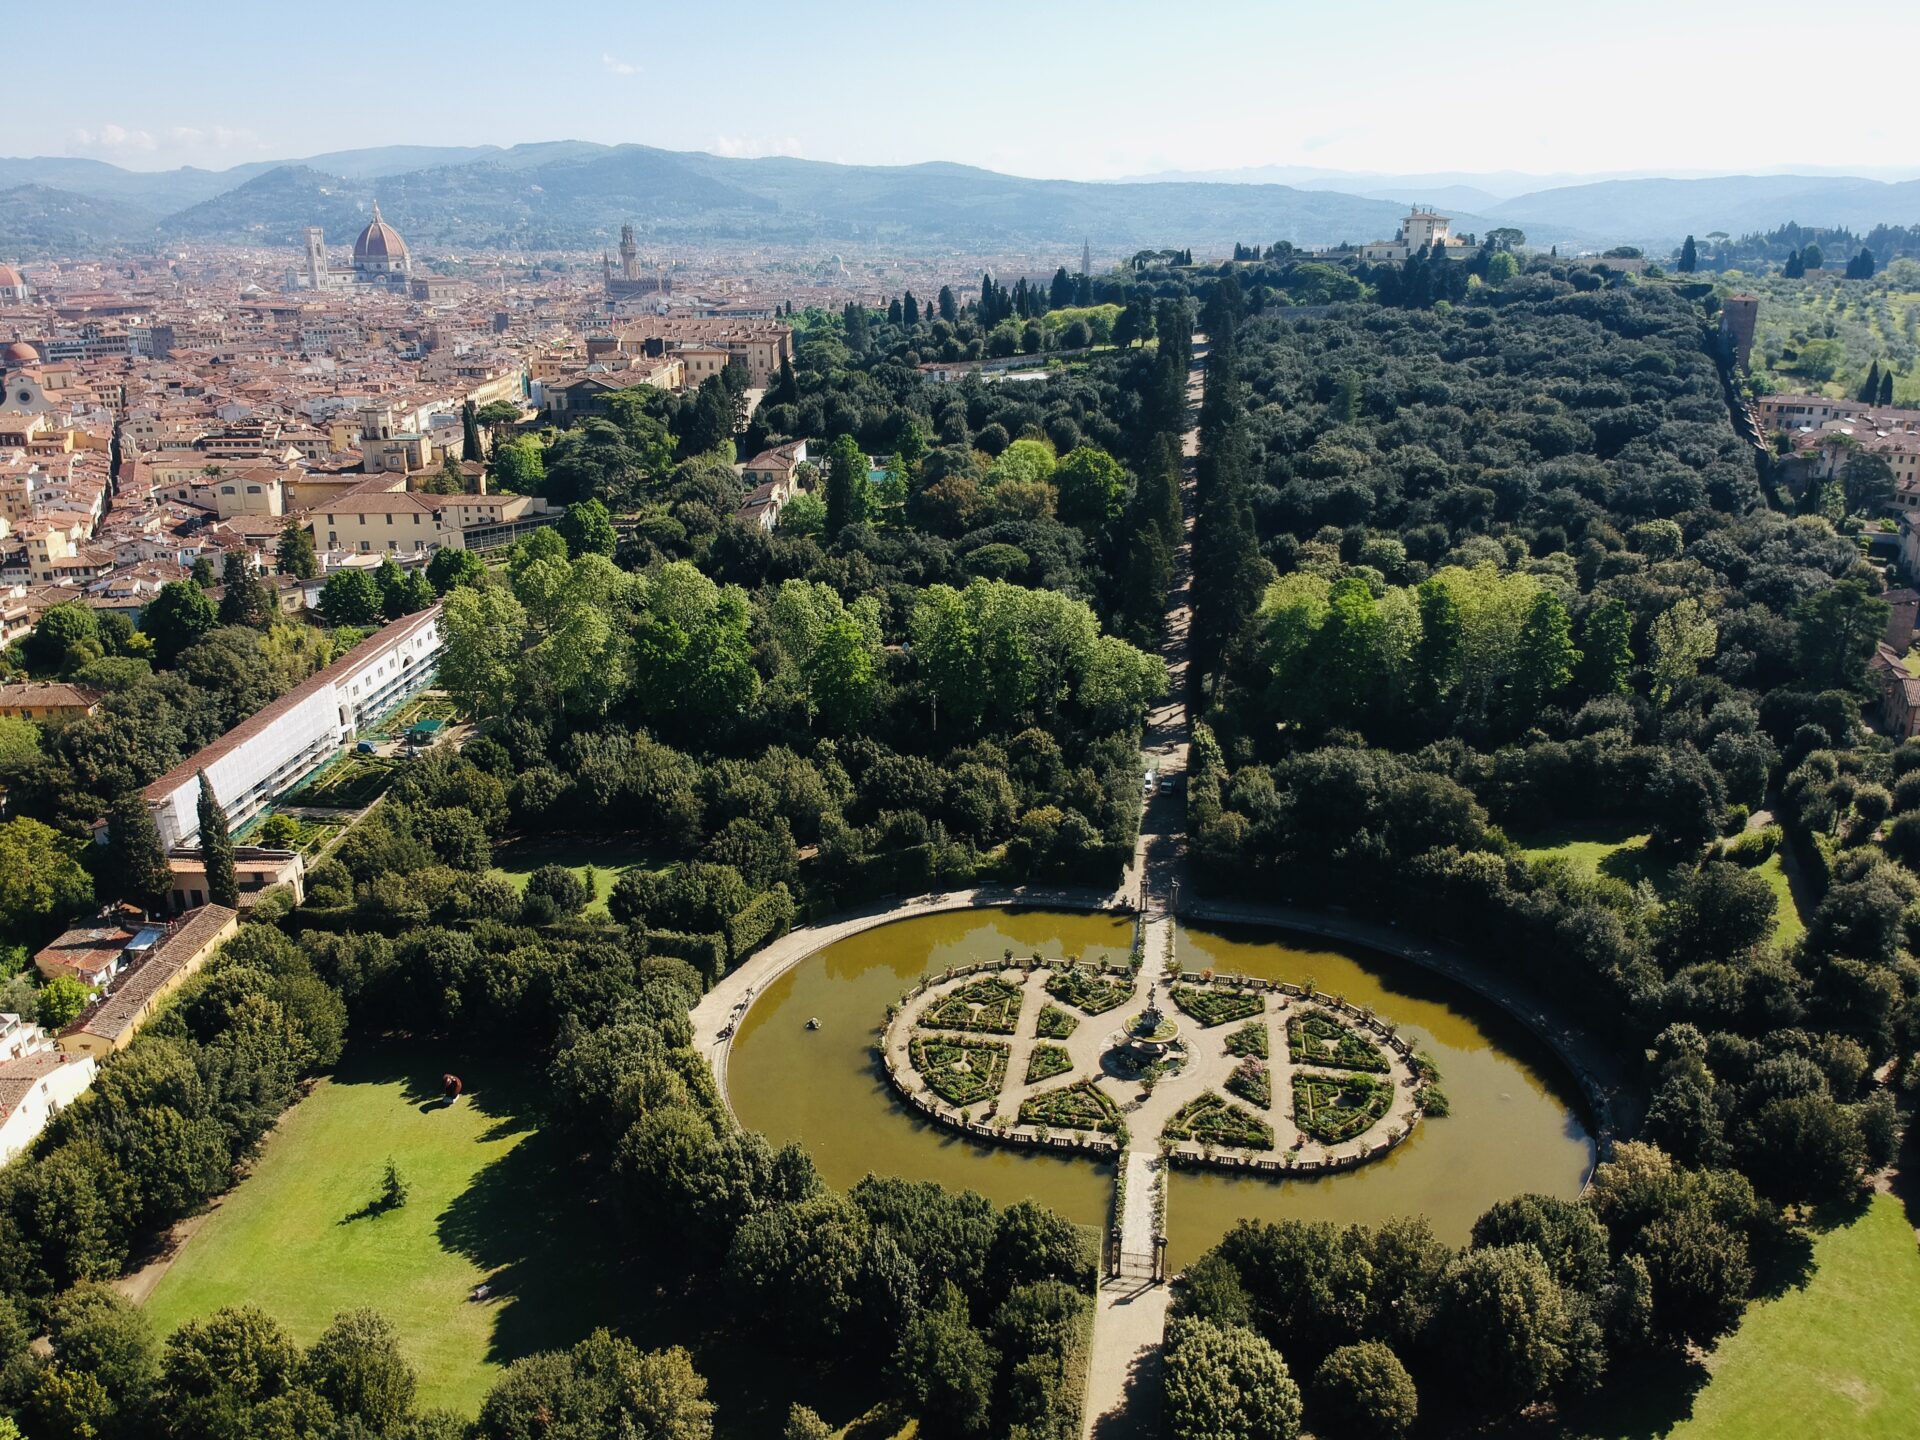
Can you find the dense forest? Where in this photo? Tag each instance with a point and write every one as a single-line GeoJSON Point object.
{"type": "Point", "coordinates": [1464, 574]}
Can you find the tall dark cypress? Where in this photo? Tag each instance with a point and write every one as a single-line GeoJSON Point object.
{"type": "Point", "coordinates": [135, 856]}
{"type": "Point", "coordinates": [1886, 387]}
{"type": "Point", "coordinates": [216, 849]}
{"type": "Point", "coordinates": [1689, 257]}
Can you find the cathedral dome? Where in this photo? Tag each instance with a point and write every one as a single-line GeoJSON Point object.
{"type": "Point", "coordinates": [10, 278]}
{"type": "Point", "coordinates": [379, 242]}
{"type": "Point", "coordinates": [18, 353]}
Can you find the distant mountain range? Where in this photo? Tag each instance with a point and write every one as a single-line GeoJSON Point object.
{"type": "Point", "coordinates": [1630, 208]}
{"type": "Point", "coordinates": [574, 194]}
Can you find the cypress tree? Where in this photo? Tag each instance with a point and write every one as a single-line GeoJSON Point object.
{"type": "Point", "coordinates": [948, 309]}
{"type": "Point", "coordinates": [846, 485]}
{"type": "Point", "coordinates": [1886, 387]}
{"type": "Point", "coordinates": [912, 308]}
{"type": "Point", "coordinates": [216, 849]}
{"type": "Point", "coordinates": [1689, 257]}
{"type": "Point", "coordinates": [786, 390]}
{"type": "Point", "coordinates": [1870, 387]}
{"type": "Point", "coordinates": [136, 860]}
{"type": "Point", "coordinates": [470, 446]}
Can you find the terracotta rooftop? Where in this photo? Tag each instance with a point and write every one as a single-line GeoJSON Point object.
{"type": "Point", "coordinates": [86, 948]}
{"type": "Point", "coordinates": [188, 939]}
{"type": "Point", "coordinates": [49, 692]}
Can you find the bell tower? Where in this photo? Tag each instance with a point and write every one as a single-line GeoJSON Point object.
{"type": "Point", "coordinates": [316, 258]}
{"type": "Point", "coordinates": [629, 254]}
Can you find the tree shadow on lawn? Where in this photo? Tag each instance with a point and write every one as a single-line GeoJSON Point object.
{"type": "Point", "coordinates": [1641, 1400]}
{"type": "Point", "coordinates": [1646, 861]}
{"type": "Point", "coordinates": [561, 1262]}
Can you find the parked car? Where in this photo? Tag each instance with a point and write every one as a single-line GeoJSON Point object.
{"type": "Point", "coordinates": [366, 747]}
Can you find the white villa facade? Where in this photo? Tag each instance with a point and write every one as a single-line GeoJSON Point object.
{"type": "Point", "coordinates": [274, 747]}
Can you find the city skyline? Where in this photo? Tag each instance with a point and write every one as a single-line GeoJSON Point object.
{"type": "Point", "coordinates": [1071, 93]}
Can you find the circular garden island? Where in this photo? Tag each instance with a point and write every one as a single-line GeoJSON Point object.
{"type": "Point", "coordinates": [1240, 1073]}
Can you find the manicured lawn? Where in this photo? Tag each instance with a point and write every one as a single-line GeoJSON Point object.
{"type": "Point", "coordinates": [1599, 850]}
{"type": "Point", "coordinates": [491, 1201]}
{"type": "Point", "coordinates": [606, 860]}
{"type": "Point", "coordinates": [1589, 846]}
{"type": "Point", "coordinates": [1835, 1358]}
{"type": "Point", "coordinates": [1789, 926]}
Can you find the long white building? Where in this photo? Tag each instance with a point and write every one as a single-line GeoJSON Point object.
{"type": "Point", "coordinates": [275, 746]}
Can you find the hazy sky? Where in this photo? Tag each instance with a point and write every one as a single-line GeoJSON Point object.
{"type": "Point", "coordinates": [1040, 87]}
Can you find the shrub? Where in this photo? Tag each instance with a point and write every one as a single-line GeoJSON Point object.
{"type": "Point", "coordinates": [1333, 1108]}
{"type": "Point", "coordinates": [1055, 1023]}
{"type": "Point", "coordinates": [1074, 1107]}
{"type": "Point", "coordinates": [1316, 1038]}
{"type": "Point", "coordinates": [961, 1072]}
{"type": "Point", "coordinates": [564, 891]}
{"type": "Point", "coordinates": [1249, 1039]}
{"type": "Point", "coordinates": [1363, 1392]}
{"type": "Point", "coordinates": [1212, 1006]}
{"type": "Point", "coordinates": [1094, 994]}
{"type": "Point", "coordinates": [1753, 847]}
{"type": "Point", "coordinates": [1251, 1081]}
{"type": "Point", "coordinates": [1212, 1119]}
{"type": "Point", "coordinates": [767, 917]}
{"type": "Point", "coordinates": [990, 1005]}
{"type": "Point", "coordinates": [1047, 1061]}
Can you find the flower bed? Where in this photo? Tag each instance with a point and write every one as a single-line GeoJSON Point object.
{"type": "Point", "coordinates": [1252, 1082]}
{"type": "Point", "coordinates": [1212, 1006]}
{"type": "Point", "coordinates": [1095, 994]}
{"type": "Point", "coordinates": [990, 1006]}
{"type": "Point", "coordinates": [1316, 1038]}
{"type": "Point", "coordinates": [1212, 1119]}
{"type": "Point", "coordinates": [1072, 1107]}
{"type": "Point", "coordinates": [1055, 1023]}
{"type": "Point", "coordinates": [961, 1072]}
{"type": "Point", "coordinates": [1249, 1039]}
{"type": "Point", "coordinates": [1047, 1061]}
{"type": "Point", "coordinates": [1332, 1108]}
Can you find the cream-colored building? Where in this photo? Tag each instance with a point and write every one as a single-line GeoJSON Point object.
{"type": "Point", "coordinates": [111, 1023]}
{"type": "Point", "coordinates": [392, 522]}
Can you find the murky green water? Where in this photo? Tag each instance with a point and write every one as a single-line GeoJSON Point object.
{"type": "Point", "coordinates": [1515, 1124]}
{"type": "Point", "coordinates": [821, 1087]}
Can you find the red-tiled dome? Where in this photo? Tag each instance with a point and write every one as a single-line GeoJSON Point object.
{"type": "Point", "coordinates": [9, 277]}
{"type": "Point", "coordinates": [379, 241]}
{"type": "Point", "coordinates": [19, 352]}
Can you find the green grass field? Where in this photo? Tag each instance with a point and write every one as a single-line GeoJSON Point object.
{"type": "Point", "coordinates": [490, 1201]}
{"type": "Point", "coordinates": [1618, 851]}
{"type": "Point", "coordinates": [493, 1199]}
{"type": "Point", "coordinates": [605, 861]}
{"type": "Point", "coordinates": [1835, 1358]}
